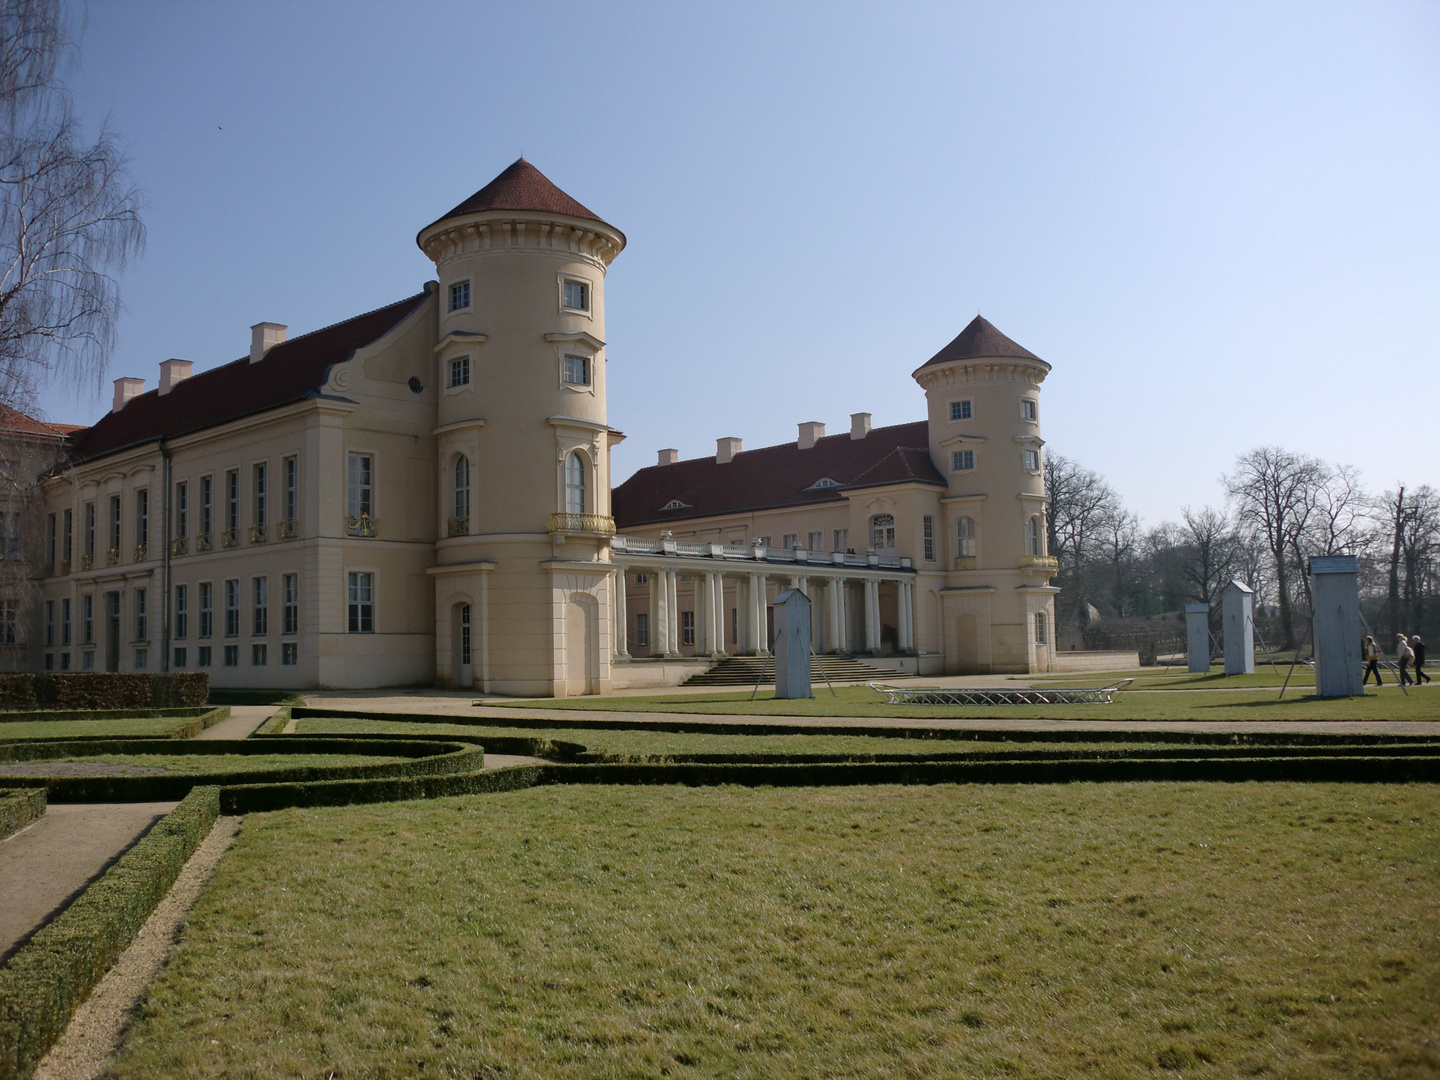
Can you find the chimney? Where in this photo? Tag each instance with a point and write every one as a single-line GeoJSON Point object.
{"type": "Point", "coordinates": [725, 450]}
{"type": "Point", "coordinates": [669, 457]}
{"type": "Point", "coordinates": [173, 371]}
{"type": "Point", "coordinates": [811, 432]}
{"type": "Point", "coordinates": [859, 425]}
{"type": "Point", "coordinates": [264, 336]}
{"type": "Point", "coordinates": [125, 389]}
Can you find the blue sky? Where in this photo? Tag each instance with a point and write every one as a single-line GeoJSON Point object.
{"type": "Point", "coordinates": [1219, 223]}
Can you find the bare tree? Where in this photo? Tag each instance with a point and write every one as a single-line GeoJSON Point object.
{"type": "Point", "coordinates": [1337, 522]}
{"type": "Point", "coordinates": [1213, 555]}
{"type": "Point", "coordinates": [69, 216]}
{"type": "Point", "coordinates": [1275, 492]}
{"type": "Point", "coordinates": [1079, 500]}
{"type": "Point", "coordinates": [1118, 532]}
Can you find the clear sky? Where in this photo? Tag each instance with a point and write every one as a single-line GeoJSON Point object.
{"type": "Point", "coordinates": [1220, 223]}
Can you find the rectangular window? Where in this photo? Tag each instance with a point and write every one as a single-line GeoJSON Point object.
{"type": "Point", "coordinates": [142, 523]}
{"type": "Point", "coordinates": [64, 661]}
{"type": "Point", "coordinates": [790, 541]}
{"type": "Point", "coordinates": [842, 539]}
{"type": "Point", "coordinates": [1040, 637]}
{"type": "Point", "coordinates": [142, 626]}
{"type": "Point", "coordinates": [459, 295]}
{"type": "Point", "coordinates": [260, 621]}
{"type": "Point", "coordinates": [9, 622]}
{"type": "Point", "coordinates": [1032, 460]}
{"type": "Point", "coordinates": [362, 603]}
{"type": "Point", "coordinates": [291, 586]}
{"type": "Point", "coordinates": [182, 611]}
{"type": "Point", "coordinates": [259, 654]}
{"type": "Point", "coordinates": [960, 410]}
{"type": "Point", "coordinates": [577, 295]}
{"type": "Point", "coordinates": [466, 654]}
{"type": "Point", "coordinates": [67, 548]}
{"type": "Point", "coordinates": [292, 489]}
{"type": "Point", "coordinates": [734, 626]}
{"type": "Point", "coordinates": [358, 491]}
{"type": "Point", "coordinates": [962, 460]}
{"type": "Point", "coordinates": [142, 659]}
{"type": "Point", "coordinates": [10, 536]}
{"type": "Point", "coordinates": [577, 370]}
{"type": "Point", "coordinates": [207, 608]}
{"type": "Point", "coordinates": [642, 579]}
{"type": "Point", "coordinates": [114, 545]}
{"type": "Point", "coordinates": [642, 629]}
{"type": "Point", "coordinates": [50, 542]}
{"type": "Point", "coordinates": [202, 656]}
{"type": "Point", "coordinates": [87, 660]}
{"type": "Point", "coordinates": [262, 495]}
{"type": "Point", "coordinates": [207, 505]}
{"type": "Point", "coordinates": [232, 608]}
{"type": "Point", "coordinates": [460, 371]}
{"type": "Point", "coordinates": [182, 510]}
{"type": "Point", "coordinates": [87, 620]}
{"type": "Point", "coordinates": [65, 621]}
{"type": "Point", "coordinates": [817, 541]}
{"type": "Point", "coordinates": [687, 628]}
{"type": "Point", "coordinates": [49, 623]}
{"type": "Point", "coordinates": [289, 654]}
{"type": "Point", "coordinates": [232, 500]}
{"type": "Point", "coordinates": [762, 541]}
{"type": "Point", "coordinates": [90, 530]}
{"type": "Point", "coordinates": [49, 661]}
{"type": "Point", "coordinates": [1027, 409]}
{"type": "Point", "coordinates": [182, 657]}
{"type": "Point", "coordinates": [929, 524]}
{"type": "Point", "coordinates": [232, 655]}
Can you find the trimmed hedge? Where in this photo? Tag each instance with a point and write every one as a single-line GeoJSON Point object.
{"type": "Point", "coordinates": [47, 980]}
{"type": "Point", "coordinates": [19, 807]}
{"type": "Point", "coordinates": [190, 723]}
{"type": "Point", "coordinates": [257, 798]}
{"type": "Point", "coordinates": [46, 715]}
{"type": "Point", "coordinates": [255, 697]}
{"type": "Point", "coordinates": [105, 690]}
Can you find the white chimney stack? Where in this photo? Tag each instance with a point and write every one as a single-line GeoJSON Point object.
{"type": "Point", "coordinates": [859, 425]}
{"type": "Point", "coordinates": [264, 336]}
{"type": "Point", "coordinates": [811, 432]}
{"type": "Point", "coordinates": [725, 450]}
{"type": "Point", "coordinates": [125, 389]}
{"type": "Point", "coordinates": [173, 371]}
{"type": "Point", "coordinates": [669, 457]}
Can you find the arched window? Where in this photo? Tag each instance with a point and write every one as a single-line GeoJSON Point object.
{"type": "Point", "coordinates": [882, 532]}
{"type": "Point", "coordinates": [965, 538]}
{"type": "Point", "coordinates": [462, 490]}
{"type": "Point", "coordinates": [1032, 535]}
{"type": "Point", "coordinates": [575, 484]}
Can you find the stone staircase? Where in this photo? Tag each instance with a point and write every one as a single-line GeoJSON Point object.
{"type": "Point", "coordinates": [747, 670]}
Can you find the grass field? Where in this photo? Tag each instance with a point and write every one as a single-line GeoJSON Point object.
{"type": "Point", "coordinates": [134, 726]}
{"type": "Point", "coordinates": [1247, 704]}
{"type": "Point", "coordinates": [1123, 930]}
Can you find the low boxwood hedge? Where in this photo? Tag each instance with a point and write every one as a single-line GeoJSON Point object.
{"type": "Point", "coordinates": [19, 807]}
{"type": "Point", "coordinates": [105, 690]}
{"type": "Point", "coordinates": [45, 982]}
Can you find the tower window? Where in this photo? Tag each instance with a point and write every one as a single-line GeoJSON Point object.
{"type": "Point", "coordinates": [1027, 409]}
{"type": "Point", "coordinates": [577, 370]}
{"type": "Point", "coordinates": [460, 371]}
{"type": "Point", "coordinates": [1032, 536]}
{"type": "Point", "coordinates": [459, 295]}
{"type": "Point", "coordinates": [960, 410]}
{"type": "Point", "coordinates": [962, 460]}
{"type": "Point", "coordinates": [1032, 460]}
{"type": "Point", "coordinates": [575, 484]}
{"type": "Point", "coordinates": [965, 538]}
{"type": "Point", "coordinates": [882, 532]}
{"type": "Point", "coordinates": [929, 524]}
{"type": "Point", "coordinates": [576, 295]}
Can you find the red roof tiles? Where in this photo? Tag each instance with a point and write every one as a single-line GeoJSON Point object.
{"type": "Point", "coordinates": [980, 341]}
{"type": "Point", "coordinates": [15, 422]}
{"type": "Point", "coordinates": [521, 187]}
{"type": "Point", "coordinates": [776, 476]}
{"type": "Point", "coordinates": [290, 371]}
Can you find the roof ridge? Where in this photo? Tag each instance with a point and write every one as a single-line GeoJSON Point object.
{"type": "Point", "coordinates": [245, 357]}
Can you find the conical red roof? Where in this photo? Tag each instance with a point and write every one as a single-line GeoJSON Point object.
{"type": "Point", "coordinates": [522, 187]}
{"type": "Point", "coordinates": [980, 341]}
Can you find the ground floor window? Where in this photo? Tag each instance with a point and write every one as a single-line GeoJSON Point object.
{"type": "Point", "coordinates": [87, 661]}
{"type": "Point", "coordinates": [202, 656]}
{"type": "Point", "coordinates": [142, 659]}
{"type": "Point", "coordinates": [259, 654]}
{"type": "Point", "coordinates": [362, 603]}
{"type": "Point", "coordinates": [1040, 637]}
{"type": "Point", "coordinates": [64, 661]}
{"type": "Point", "coordinates": [642, 629]}
{"type": "Point", "coordinates": [289, 654]}
{"type": "Point", "coordinates": [687, 628]}
{"type": "Point", "coordinates": [180, 657]}
{"type": "Point", "coordinates": [465, 634]}
{"type": "Point", "coordinates": [232, 655]}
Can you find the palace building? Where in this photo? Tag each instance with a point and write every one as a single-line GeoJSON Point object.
{"type": "Point", "coordinates": [421, 495]}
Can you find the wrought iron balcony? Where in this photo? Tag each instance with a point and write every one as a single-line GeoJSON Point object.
{"type": "Point", "coordinates": [364, 525]}
{"type": "Point", "coordinates": [64, 567]}
{"type": "Point", "coordinates": [203, 542]}
{"type": "Point", "coordinates": [87, 562]}
{"type": "Point", "coordinates": [140, 552]}
{"type": "Point", "coordinates": [1039, 562]}
{"type": "Point", "coordinates": [230, 538]}
{"type": "Point", "coordinates": [966, 562]}
{"type": "Point", "coordinates": [590, 524]}
{"type": "Point", "coordinates": [179, 546]}
{"type": "Point", "coordinates": [112, 557]}
{"type": "Point", "coordinates": [459, 526]}
{"type": "Point", "coordinates": [259, 534]}
{"type": "Point", "coordinates": [287, 529]}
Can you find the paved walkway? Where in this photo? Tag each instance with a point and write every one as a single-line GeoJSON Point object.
{"type": "Point", "coordinates": [45, 865]}
{"type": "Point", "coordinates": [244, 719]}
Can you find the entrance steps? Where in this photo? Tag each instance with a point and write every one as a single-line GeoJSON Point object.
{"type": "Point", "coordinates": [747, 670]}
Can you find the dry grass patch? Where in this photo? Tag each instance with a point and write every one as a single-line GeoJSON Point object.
{"type": "Point", "coordinates": [1125, 930]}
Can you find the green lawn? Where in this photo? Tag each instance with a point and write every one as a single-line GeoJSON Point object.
{"type": "Point", "coordinates": [1252, 704]}
{"type": "Point", "coordinates": [1122, 930]}
{"type": "Point", "coordinates": [193, 764]}
{"type": "Point", "coordinates": [139, 726]}
{"type": "Point", "coordinates": [1179, 678]}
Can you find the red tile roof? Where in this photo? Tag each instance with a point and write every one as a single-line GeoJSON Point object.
{"type": "Point", "coordinates": [290, 371]}
{"type": "Point", "coordinates": [522, 187]}
{"type": "Point", "coordinates": [980, 341]}
{"type": "Point", "coordinates": [15, 422]}
{"type": "Point", "coordinates": [776, 476]}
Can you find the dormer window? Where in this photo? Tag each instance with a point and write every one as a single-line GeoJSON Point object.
{"type": "Point", "coordinates": [575, 295]}
{"type": "Point", "coordinates": [459, 295]}
{"type": "Point", "coordinates": [824, 482]}
{"type": "Point", "coordinates": [675, 504]}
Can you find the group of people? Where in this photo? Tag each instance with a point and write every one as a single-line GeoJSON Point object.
{"type": "Point", "coordinates": [1408, 651]}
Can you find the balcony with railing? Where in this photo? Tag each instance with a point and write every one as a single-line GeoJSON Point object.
{"type": "Point", "coordinates": [739, 549]}
{"type": "Point", "coordinates": [112, 557]}
{"type": "Point", "coordinates": [259, 534]}
{"type": "Point", "coordinates": [230, 538]}
{"type": "Point", "coordinates": [64, 567]}
{"type": "Point", "coordinates": [87, 562]}
{"type": "Point", "coordinates": [458, 526]}
{"type": "Point", "coordinates": [1039, 562]}
{"type": "Point", "coordinates": [582, 524]}
{"type": "Point", "coordinates": [141, 550]}
{"type": "Point", "coordinates": [203, 542]}
{"type": "Point", "coordinates": [179, 546]}
{"type": "Point", "coordinates": [288, 529]}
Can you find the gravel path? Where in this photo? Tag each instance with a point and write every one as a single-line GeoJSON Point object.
{"type": "Point", "coordinates": [244, 719]}
{"type": "Point", "coordinates": [98, 1026]}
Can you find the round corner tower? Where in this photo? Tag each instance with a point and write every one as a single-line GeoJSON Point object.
{"type": "Point", "coordinates": [982, 393]}
{"type": "Point", "coordinates": [523, 443]}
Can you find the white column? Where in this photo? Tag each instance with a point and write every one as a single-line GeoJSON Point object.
{"type": "Point", "coordinates": [837, 642]}
{"type": "Point", "coordinates": [712, 645]}
{"type": "Point", "coordinates": [658, 612]}
{"type": "Point", "coordinates": [720, 613]}
{"type": "Point", "coordinates": [907, 615]}
{"type": "Point", "coordinates": [872, 615]}
{"type": "Point", "coordinates": [672, 644]}
{"type": "Point", "coordinates": [621, 630]}
{"type": "Point", "coordinates": [762, 614]}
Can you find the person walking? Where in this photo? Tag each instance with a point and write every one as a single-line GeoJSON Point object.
{"type": "Point", "coordinates": [1371, 655]}
{"type": "Point", "coordinates": [1418, 648]}
{"type": "Point", "coordinates": [1404, 654]}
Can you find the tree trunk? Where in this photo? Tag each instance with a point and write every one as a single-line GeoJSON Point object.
{"type": "Point", "coordinates": [1393, 602]}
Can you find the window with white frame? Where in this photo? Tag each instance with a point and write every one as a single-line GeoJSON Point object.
{"type": "Point", "coordinates": [960, 410]}
{"type": "Point", "coordinates": [842, 540]}
{"type": "Point", "coordinates": [9, 622]}
{"type": "Point", "coordinates": [817, 541]}
{"type": "Point", "coordinates": [1032, 536]}
{"type": "Point", "coordinates": [687, 628]}
{"type": "Point", "coordinates": [87, 619]}
{"type": "Point", "coordinates": [289, 653]}
{"type": "Point", "coordinates": [142, 520]}
{"type": "Point", "coordinates": [1040, 634]}
{"type": "Point", "coordinates": [182, 657]}
{"type": "Point", "coordinates": [929, 537]}
{"type": "Point", "coordinates": [465, 652]}
{"type": "Point", "coordinates": [460, 371]}
{"type": "Point", "coordinates": [642, 579]}
{"type": "Point", "coordinates": [182, 612]}
{"type": "Point", "coordinates": [965, 538]}
{"type": "Point", "coordinates": [259, 654]}
{"type": "Point", "coordinates": [262, 494]}
{"type": "Point", "coordinates": [290, 584]}
{"type": "Point", "coordinates": [142, 659]}
{"type": "Point", "coordinates": [962, 460]}
{"type": "Point", "coordinates": [361, 608]}
{"type": "Point", "coordinates": [232, 500]}
{"type": "Point", "coordinates": [292, 488]}
{"type": "Point", "coordinates": [642, 628]}
{"type": "Point", "coordinates": [459, 296]}
{"type": "Point", "coordinates": [575, 295]}
{"type": "Point", "coordinates": [232, 655]}
{"type": "Point", "coordinates": [359, 490]}
{"type": "Point", "coordinates": [68, 537]}
{"type": "Point", "coordinates": [882, 532]}
{"type": "Point", "coordinates": [207, 505]}
{"type": "Point", "coordinates": [1028, 409]}
{"type": "Point", "coordinates": [142, 626]}
{"type": "Point", "coordinates": [260, 613]}
{"type": "Point", "coordinates": [207, 608]}
{"type": "Point", "coordinates": [202, 656]}
{"type": "Point", "coordinates": [1032, 460]}
{"type": "Point", "coordinates": [790, 541]}
{"type": "Point", "coordinates": [575, 483]}
{"type": "Point", "coordinates": [114, 544]}
{"type": "Point", "coordinates": [182, 510]}
{"type": "Point", "coordinates": [577, 370]}
{"type": "Point", "coordinates": [461, 503]}
{"type": "Point", "coordinates": [65, 621]}
{"type": "Point", "coordinates": [232, 608]}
